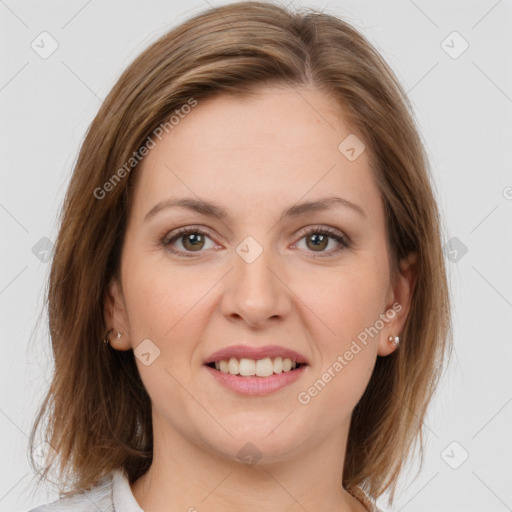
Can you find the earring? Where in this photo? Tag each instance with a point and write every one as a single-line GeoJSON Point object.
{"type": "Point", "coordinates": [105, 338]}
{"type": "Point", "coordinates": [395, 340]}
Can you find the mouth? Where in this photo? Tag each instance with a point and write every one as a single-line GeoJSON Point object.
{"type": "Point", "coordinates": [263, 368]}
{"type": "Point", "coordinates": [256, 377]}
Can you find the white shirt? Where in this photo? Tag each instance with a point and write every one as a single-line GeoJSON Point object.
{"type": "Point", "coordinates": [111, 494]}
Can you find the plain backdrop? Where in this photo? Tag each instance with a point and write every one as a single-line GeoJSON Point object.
{"type": "Point", "coordinates": [453, 59]}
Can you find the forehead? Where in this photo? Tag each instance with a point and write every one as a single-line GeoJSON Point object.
{"type": "Point", "coordinates": [276, 145]}
{"type": "Point", "coordinates": [273, 118]}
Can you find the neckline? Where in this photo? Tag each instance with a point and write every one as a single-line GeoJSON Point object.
{"type": "Point", "coordinates": [122, 496]}
{"type": "Point", "coordinates": [124, 500]}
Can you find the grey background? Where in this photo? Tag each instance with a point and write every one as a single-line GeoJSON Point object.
{"type": "Point", "coordinates": [463, 106]}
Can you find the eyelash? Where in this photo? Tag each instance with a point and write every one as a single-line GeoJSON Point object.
{"type": "Point", "coordinates": [344, 243]}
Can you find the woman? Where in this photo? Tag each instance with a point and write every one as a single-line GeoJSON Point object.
{"type": "Point", "coordinates": [248, 300]}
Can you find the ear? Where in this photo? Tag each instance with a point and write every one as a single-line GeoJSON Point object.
{"type": "Point", "coordinates": [399, 303]}
{"type": "Point", "coordinates": [114, 312]}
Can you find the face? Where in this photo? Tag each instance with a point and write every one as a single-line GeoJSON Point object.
{"type": "Point", "coordinates": [315, 280]}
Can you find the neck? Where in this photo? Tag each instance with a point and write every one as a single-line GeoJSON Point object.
{"type": "Point", "coordinates": [185, 476]}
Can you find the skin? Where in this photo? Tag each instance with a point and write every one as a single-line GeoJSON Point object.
{"type": "Point", "coordinates": [254, 157]}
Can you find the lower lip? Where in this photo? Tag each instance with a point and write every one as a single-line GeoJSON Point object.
{"type": "Point", "coordinates": [257, 385]}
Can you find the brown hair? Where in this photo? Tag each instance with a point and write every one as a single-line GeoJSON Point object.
{"type": "Point", "coordinates": [99, 414]}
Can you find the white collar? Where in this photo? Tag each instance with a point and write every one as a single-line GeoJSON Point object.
{"type": "Point", "coordinates": [122, 495]}
{"type": "Point", "coordinates": [124, 500]}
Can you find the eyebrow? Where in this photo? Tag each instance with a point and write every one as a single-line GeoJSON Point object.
{"type": "Point", "coordinates": [210, 209]}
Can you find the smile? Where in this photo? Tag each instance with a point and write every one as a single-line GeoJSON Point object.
{"type": "Point", "coordinates": [246, 367]}
{"type": "Point", "coordinates": [256, 377]}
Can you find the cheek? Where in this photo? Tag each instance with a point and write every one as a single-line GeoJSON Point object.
{"type": "Point", "coordinates": [164, 305]}
{"type": "Point", "coordinates": [346, 356]}
{"type": "Point", "coordinates": [346, 305]}
{"type": "Point", "coordinates": [161, 299]}
{"type": "Point", "coordinates": [345, 300]}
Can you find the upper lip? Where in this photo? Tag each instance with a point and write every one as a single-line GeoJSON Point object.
{"type": "Point", "coordinates": [244, 351]}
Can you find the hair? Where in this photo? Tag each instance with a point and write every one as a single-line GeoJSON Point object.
{"type": "Point", "coordinates": [97, 411]}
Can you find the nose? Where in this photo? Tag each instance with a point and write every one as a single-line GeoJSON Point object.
{"type": "Point", "coordinates": [256, 291]}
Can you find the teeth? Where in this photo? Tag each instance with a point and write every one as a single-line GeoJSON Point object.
{"type": "Point", "coordinates": [264, 367]}
{"type": "Point", "coordinates": [251, 367]}
{"type": "Point", "coordinates": [246, 367]}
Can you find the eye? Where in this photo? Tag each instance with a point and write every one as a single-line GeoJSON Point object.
{"type": "Point", "coordinates": [192, 240]}
{"type": "Point", "coordinates": [317, 239]}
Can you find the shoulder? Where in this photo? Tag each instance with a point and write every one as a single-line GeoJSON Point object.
{"type": "Point", "coordinates": [97, 499]}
